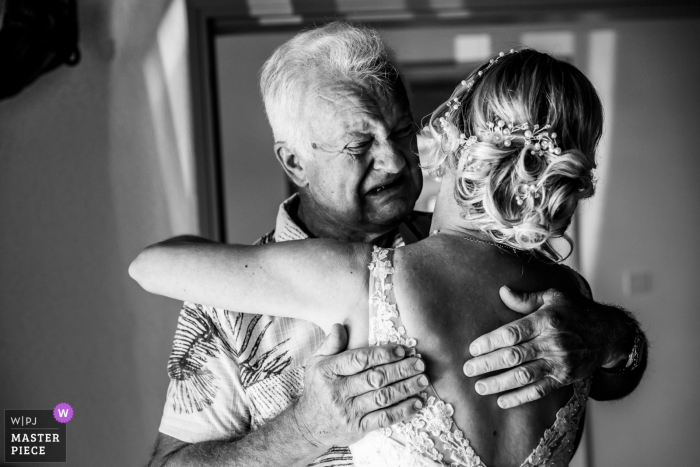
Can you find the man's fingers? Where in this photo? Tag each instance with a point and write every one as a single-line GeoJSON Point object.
{"type": "Point", "coordinates": [524, 302]}
{"type": "Point", "coordinates": [520, 301]}
{"type": "Point", "coordinates": [384, 418]}
{"type": "Point", "coordinates": [507, 335]}
{"type": "Point", "coordinates": [336, 341]}
{"type": "Point", "coordinates": [502, 359]}
{"type": "Point", "coordinates": [529, 393]}
{"type": "Point", "coordinates": [518, 377]}
{"type": "Point", "coordinates": [390, 395]}
{"type": "Point", "coordinates": [382, 376]}
{"type": "Point", "coordinates": [352, 362]}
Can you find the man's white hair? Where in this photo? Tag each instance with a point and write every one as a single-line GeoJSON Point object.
{"type": "Point", "coordinates": [335, 53]}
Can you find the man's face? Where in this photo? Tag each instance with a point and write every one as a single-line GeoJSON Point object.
{"type": "Point", "coordinates": [361, 172]}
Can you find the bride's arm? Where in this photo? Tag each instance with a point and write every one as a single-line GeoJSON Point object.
{"type": "Point", "coordinates": [319, 280]}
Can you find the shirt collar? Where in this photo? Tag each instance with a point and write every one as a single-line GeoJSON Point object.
{"type": "Point", "coordinates": [286, 229]}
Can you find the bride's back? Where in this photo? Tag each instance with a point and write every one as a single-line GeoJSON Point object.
{"type": "Point", "coordinates": [446, 290]}
{"type": "Point", "coordinates": [514, 146]}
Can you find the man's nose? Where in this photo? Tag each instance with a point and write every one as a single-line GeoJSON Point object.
{"type": "Point", "coordinates": [388, 158]}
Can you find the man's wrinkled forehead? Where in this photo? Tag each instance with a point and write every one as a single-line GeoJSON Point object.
{"type": "Point", "coordinates": [355, 106]}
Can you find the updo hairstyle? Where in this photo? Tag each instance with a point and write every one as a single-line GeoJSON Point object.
{"type": "Point", "coordinates": [520, 197]}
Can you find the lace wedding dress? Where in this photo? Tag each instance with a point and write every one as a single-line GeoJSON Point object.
{"type": "Point", "coordinates": [414, 443]}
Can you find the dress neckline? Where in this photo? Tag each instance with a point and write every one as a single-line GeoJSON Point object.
{"type": "Point", "coordinates": [475, 239]}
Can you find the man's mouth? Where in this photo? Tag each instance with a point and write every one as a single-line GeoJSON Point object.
{"type": "Point", "coordinates": [387, 186]}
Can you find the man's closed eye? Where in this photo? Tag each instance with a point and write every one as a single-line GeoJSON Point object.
{"type": "Point", "coordinates": [358, 149]}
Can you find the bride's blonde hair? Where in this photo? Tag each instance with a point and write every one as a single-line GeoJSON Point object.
{"type": "Point", "coordinates": [519, 193]}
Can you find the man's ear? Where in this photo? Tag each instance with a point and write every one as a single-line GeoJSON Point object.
{"type": "Point", "coordinates": [292, 164]}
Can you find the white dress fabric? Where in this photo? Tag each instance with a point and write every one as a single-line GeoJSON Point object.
{"type": "Point", "coordinates": [415, 443]}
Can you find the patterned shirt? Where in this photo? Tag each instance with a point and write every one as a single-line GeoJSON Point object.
{"type": "Point", "coordinates": [231, 372]}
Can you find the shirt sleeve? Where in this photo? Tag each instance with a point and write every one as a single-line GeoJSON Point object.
{"type": "Point", "coordinates": [205, 399]}
{"type": "Point", "coordinates": [583, 285]}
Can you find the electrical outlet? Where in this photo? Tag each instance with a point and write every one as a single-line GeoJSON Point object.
{"type": "Point", "coordinates": [637, 282]}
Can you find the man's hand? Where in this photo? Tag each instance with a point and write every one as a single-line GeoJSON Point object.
{"type": "Point", "coordinates": [346, 395]}
{"type": "Point", "coordinates": [349, 394]}
{"type": "Point", "coordinates": [562, 342]}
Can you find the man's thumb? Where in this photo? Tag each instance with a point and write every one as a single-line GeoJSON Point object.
{"type": "Point", "coordinates": [523, 302]}
{"type": "Point", "coordinates": [336, 341]}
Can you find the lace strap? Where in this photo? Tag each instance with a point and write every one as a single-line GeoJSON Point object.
{"type": "Point", "coordinates": [436, 416]}
{"type": "Point", "coordinates": [384, 321]}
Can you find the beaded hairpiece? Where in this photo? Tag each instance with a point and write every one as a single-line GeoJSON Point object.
{"type": "Point", "coordinates": [453, 104]}
{"type": "Point", "coordinates": [467, 85]}
{"type": "Point", "coordinates": [502, 135]}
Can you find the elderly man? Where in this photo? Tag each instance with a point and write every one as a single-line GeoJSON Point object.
{"type": "Point", "coordinates": [343, 130]}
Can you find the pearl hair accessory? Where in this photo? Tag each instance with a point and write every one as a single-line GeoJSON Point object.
{"type": "Point", "coordinates": [467, 85]}
{"type": "Point", "coordinates": [536, 139]}
{"type": "Point", "coordinates": [452, 139]}
{"type": "Point", "coordinates": [502, 135]}
{"type": "Point", "coordinates": [540, 142]}
{"type": "Point", "coordinates": [525, 191]}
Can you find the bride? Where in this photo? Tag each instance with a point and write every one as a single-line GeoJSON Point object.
{"type": "Point", "coordinates": [514, 147]}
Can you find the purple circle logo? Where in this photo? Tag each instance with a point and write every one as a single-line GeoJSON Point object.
{"type": "Point", "coordinates": [63, 413]}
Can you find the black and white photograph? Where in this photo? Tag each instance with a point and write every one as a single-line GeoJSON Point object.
{"type": "Point", "coordinates": [349, 233]}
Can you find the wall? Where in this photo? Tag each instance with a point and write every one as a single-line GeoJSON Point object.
{"type": "Point", "coordinates": [254, 182]}
{"type": "Point", "coordinates": [645, 218]}
{"type": "Point", "coordinates": [85, 183]}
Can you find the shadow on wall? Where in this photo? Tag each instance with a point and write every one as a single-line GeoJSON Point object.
{"type": "Point", "coordinates": [643, 222]}
{"type": "Point", "coordinates": [166, 75]}
{"type": "Point", "coordinates": [83, 172]}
